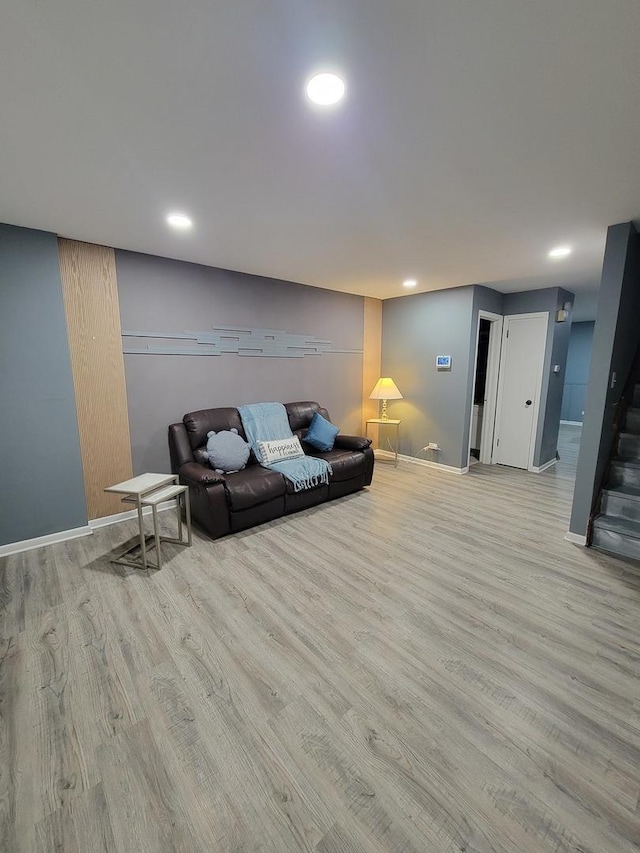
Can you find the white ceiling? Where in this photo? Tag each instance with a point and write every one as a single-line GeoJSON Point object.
{"type": "Point", "coordinates": [476, 134]}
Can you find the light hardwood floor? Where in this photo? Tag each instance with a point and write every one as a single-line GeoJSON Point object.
{"type": "Point", "coordinates": [424, 666]}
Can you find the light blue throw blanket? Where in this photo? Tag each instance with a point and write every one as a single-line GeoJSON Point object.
{"type": "Point", "coordinates": [269, 422]}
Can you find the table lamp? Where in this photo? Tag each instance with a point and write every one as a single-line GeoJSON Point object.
{"type": "Point", "coordinates": [385, 389]}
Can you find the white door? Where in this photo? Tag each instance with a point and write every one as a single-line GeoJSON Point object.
{"type": "Point", "coordinates": [524, 339]}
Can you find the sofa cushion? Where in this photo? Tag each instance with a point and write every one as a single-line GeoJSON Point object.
{"type": "Point", "coordinates": [346, 464]}
{"type": "Point", "coordinates": [201, 455]}
{"type": "Point", "coordinates": [321, 433]}
{"type": "Point", "coordinates": [300, 414]}
{"type": "Point", "coordinates": [199, 423]}
{"type": "Point", "coordinates": [290, 487]}
{"type": "Point", "coordinates": [252, 486]}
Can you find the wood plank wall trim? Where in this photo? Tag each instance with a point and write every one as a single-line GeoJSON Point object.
{"type": "Point", "coordinates": [90, 292]}
{"type": "Point", "coordinates": [371, 361]}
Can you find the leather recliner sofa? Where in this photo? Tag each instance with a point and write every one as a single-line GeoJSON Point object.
{"type": "Point", "coordinates": [225, 503]}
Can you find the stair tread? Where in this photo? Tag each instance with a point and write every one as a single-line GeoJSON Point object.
{"type": "Point", "coordinates": [618, 525]}
{"type": "Point", "coordinates": [632, 492]}
{"type": "Point", "coordinates": [631, 461]}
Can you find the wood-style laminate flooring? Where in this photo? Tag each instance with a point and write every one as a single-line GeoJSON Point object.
{"type": "Point", "coordinates": [424, 666]}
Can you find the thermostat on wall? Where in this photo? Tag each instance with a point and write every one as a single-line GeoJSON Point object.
{"type": "Point", "coordinates": [443, 362]}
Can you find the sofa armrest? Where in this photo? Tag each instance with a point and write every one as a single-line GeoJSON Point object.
{"type": "Point", "coordinates": [351, 442]}
{"type": "Point", "coordinates": [197, 473]}
{"type": "Point", "coordinates": [208, 498]}
{"type": "Point", "coordinates": [179, 447]}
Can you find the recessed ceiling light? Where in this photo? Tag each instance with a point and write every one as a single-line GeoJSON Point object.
{"type": "Point", "coordinates": [409, 282]}
{"type": "Point", "coordinates": [325, 89]}
{"type": "Point", "coordinates": [560, 252]}
{"type": "Point", "coordinates": [179, 221]}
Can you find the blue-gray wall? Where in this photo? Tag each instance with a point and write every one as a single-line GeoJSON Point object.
{"type": "Point", "coordinates": [615, 340]}
{"type": "Point", "coordinates": [42, 485]}
{"type": "Point", "coordinates": [161, 295]}
{"type": "Point", "coordinates": [577, 374]}
{"type": "Point", "coordinates": [436, 403]}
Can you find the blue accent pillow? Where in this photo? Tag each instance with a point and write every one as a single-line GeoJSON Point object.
{"type": "Point", "coordinates": [321, 433]}
{"type": "Point", "coordinates": [226, 451]}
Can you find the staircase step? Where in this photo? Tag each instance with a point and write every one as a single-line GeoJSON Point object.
{"type": "Point", "coordinates": [632, 421]}
{"type": "Point", "coordinates": [617, 535]}
{"type": "Point", "coordinates": [629, 446]}
{"type": "Point", "coordinates": [624, 472]}
{"type": "Point", "coordinates": [621, 502]}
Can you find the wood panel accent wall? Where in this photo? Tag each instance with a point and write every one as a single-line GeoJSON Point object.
{"type": "Point", "coordinates": [90, 293]}
{"type": "Point", "coordinates": [371, 361]}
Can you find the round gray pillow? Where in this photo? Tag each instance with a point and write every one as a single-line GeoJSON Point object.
{"type": "Point", "coordinates": [226, 451]}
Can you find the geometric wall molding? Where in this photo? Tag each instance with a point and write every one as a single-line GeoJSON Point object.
{"type": "Point", "coordinates": [223, 340]}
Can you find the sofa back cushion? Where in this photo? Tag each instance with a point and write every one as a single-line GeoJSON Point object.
{"type": "Point", "coordinates": [198, 424]}
{"type": "Point", "coordinates": [300, 414]}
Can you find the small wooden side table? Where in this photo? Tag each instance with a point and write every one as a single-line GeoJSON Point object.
{"type": "Point", "coordinates": [150, 490]}
{"type": "Point", "coordinates": [386, 422]}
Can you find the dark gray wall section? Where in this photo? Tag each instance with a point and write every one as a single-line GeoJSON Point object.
{"type": "Point", "coordinates": [552, 394]}
{"type": "Point", "coordinates": [486, 299]}
{"type": "Point", "coordinates": [615, 341]}
{"type": "Point", "coordinates": [435, 404]}
{"type": "Point", "coordinates": [577, 374]}
{"type": "Point", "coordinates": [42, 484]}
{"type": "Point", "coordinates": [550, 300]}
{"type": "Point", "coordinates": [160, 295]}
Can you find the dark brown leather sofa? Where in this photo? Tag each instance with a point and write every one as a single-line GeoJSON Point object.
{"type": "Point", "coordinates": [224, 503]}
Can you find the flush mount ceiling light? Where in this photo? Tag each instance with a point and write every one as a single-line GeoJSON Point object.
{"type": "Point", "coordinates": [409, 282]}
{"type": "Point", "coordinates": [325, 89]}
{"type": "Point", "coordinates": [179, 221]}
{"type": "Point", "coordinates": [560, 252]}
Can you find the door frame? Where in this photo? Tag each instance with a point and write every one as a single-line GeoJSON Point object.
{"type": "Point", "coordinates": [536, 401]}
{"type": "Point", "coordinates": [491, 388]}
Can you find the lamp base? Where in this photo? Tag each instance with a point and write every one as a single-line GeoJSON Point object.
{"type": "Point", "coordinates": [384, 416]}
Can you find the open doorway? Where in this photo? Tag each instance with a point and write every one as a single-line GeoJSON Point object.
{"type": "Point", "coordinates": [485, 387]}
{"type": "Point", "coordinates": [479, 388]}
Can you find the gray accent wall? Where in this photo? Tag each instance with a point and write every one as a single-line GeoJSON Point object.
{"type": "Point", "coordinates": [42, 483]}
{"type": "Point", "coordinates": [615, 341]}
{"type": "Point", "coordinates": [161, 295]}
{"type": "Point", "coordinates": [577, 374]}
{"type": "Point", "coordinates": [435, 404]}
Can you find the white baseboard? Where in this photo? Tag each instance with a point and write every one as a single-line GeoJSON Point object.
{"type": "Point", "coordinates": [426, 463]}
{"type": "Point", "coordinates": [106, 520]}
{"type": "Point", "coordinates": [572, 423]}
{"type": "Point", "coordinates": [77, 532]}
{"type": "Point", "coordinates": [41, 541]}
{"type": "Point", "coordinates": [539, 469]}
{"type": "Point", "coordinates": [576, 538]}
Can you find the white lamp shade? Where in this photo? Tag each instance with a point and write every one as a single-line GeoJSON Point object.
{"type": "Point", "coordinates": [385, 389]}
